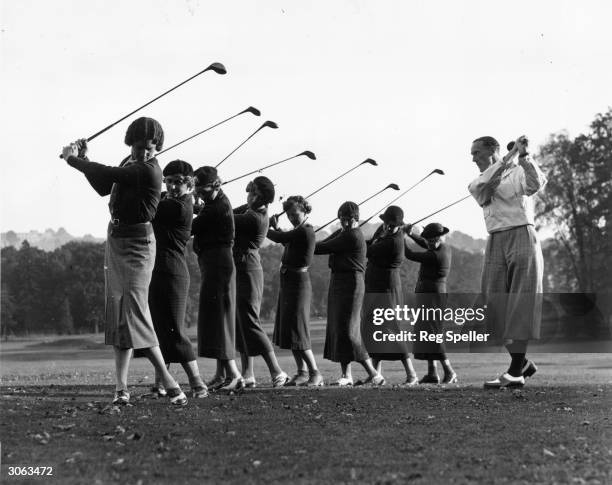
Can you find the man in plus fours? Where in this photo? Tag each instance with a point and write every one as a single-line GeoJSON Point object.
{"type": "Point", "coordinates": [513, 267]}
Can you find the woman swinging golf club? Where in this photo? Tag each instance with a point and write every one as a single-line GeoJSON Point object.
{"type": "Point", "coordinates": [385, 255]}
{"type": "Point", "coordinates": [251, 221]}
{"type": "Point", "coordinates": [291, 327]}
{"type": "Point", "coordinates": [134, 188]}
{"type": "Point", "coordinates": [430, 291]}
{"type": "Point", "coordinates": [347, 260]}
{"type": "Point", "coordinates": [213, 230]}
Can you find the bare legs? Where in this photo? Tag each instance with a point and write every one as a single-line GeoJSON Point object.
{"type": "Point", "coordinates": [305, 361]}
{"type": "Point", "coordinates": [367, 365]}
{"type": "Point", "coordinates": [270, 360]}
{"type": "Point", "coordinates": [432, 370]}
{"type": "Point", "coordinates": [122, 364]}
{"type": "Point", "coordinates": [192, 371]}
{"type": "Point", "coordinates": [406, 363]}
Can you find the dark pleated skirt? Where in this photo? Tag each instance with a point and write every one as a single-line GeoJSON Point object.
{"type": "Point", "coordinates": [429, 350]}
{"type": "Point", "coordinates": [250, 337]}
{"type": "Point", "coordinates": [291, 326]}
{"type": "Point", "coordinates": [168, 302]}
{"type": "Point", "coordinates": [343, 341]}
{"type": "Point", "coordinates": [384, 290]}
{"type": "Point", "coordinates": [128, 264]}
{"type": "Point", "coordinates": [217, 309]}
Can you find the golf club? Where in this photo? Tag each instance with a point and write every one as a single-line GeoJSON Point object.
{"type": "Point", "coordinates": [367, 161]}
{"type": "Point", "coordinates": [390, 186]}
{"type": "Point", "coordinates": [250, 109]}
{"type": "Point", "coordinates": [306, 153]}
{"type": "Point", "coordinates": [435, 171]}
{"type": "Point", "coordinates": [440, 210]}
{"type": "Point", "coordinates": [215, 66]}
{"type": "Point", "coordinates": [266, 124]}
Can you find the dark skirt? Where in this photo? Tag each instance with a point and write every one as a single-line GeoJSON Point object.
{"type": "Point", "coordinates": [217, 309]}
{"type": "Point", "coordinates": [383, 290]}
{"type": "Point", "coordinates": [250, 337]}
{"type": "Point", "coordinates": [293, 311]}
{"type": "Point", "coordinates": [427, 296]}
{"type": "Point", "coordinates": [343, 341]}
{"type": "Point", "coordinates": [128, 264]}
{"type": "Point", "coordinates": [168, 302]}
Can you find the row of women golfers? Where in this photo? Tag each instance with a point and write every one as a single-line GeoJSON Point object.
{"type": "Point", "coordinates": [147, 277]}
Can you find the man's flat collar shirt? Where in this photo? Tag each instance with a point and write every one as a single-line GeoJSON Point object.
{"type": "Point", "coordinates": [510, 204]}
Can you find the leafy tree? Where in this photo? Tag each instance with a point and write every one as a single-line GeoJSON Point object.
{"type": "Point", "coordinates": [576, 202]}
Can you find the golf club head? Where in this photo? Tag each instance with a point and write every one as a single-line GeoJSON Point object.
{"type": "Point", "coordinates": [438, 171]}
{"type": "Point", "coordinates": [510, 146]}
{"type": "Point", "coordinates": [309, 154]}
{"type": "Point", "coordinates": [392, 186]}
{"type": "Point", "coordinates": [370, 161]}
{"type": "Point", "coordinates": [252, 110]}
{"type": "Point", "coordinates": [217, 67]}
{"type": "Point", "coordinates": [268, 124]}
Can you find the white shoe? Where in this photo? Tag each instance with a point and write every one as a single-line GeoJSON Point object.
{"type": "Point", "coordinates": [280, 380]}
{"type": "Point", "coordinates": [122, 397]}
{"type": "Point", "coordinates": [505, 380]}
{"type": "Point", "coordinates": [176, 396]}
{"type": "Point", "coordinates": [344, 381]}
{"type": "Point", "coordinates": [378, 380]}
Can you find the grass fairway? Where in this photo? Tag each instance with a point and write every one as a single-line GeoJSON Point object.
{"type": "Point", "coordinates": [55, 413]}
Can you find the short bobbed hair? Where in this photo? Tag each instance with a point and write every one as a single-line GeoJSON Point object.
{"type": "Point", "coordinates": [349, 209]}
{"type": "Point", "coordinates": [143, 129]}
{"type": "Point", "coordinates": [299, 201]}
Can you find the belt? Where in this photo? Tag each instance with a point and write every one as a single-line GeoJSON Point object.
{"type": "Point", "coordinates": [285, 269]}
{"type": "Point", "coordinates": [140, 229]}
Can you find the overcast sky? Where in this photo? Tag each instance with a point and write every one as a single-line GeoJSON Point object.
{"type": "Point", "coordinates": [408, 83]}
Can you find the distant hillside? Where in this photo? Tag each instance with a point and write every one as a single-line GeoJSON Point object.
{"type": "Point", "coordinates": [47, 241]}
{"type": "Point", "coordinates": [50, 240]}
{"type": "Point", "coordinates": [466, 242]}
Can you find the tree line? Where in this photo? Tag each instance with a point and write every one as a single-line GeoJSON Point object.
{"type": "Point", "coordinates": [62, 291]}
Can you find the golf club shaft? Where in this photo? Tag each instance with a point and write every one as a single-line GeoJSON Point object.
{"type": "Point", "coordinates": [236, 149]}
{"type": "Point", "coordinates": [327, 185]}
{"type": "Point", "coordinates": [199, 133]}
{"type": "Point", "coordinates": [260, 169]}
{"type": "Point", "coordinates": [398, 197]}
{"type": "Point", "coordinates": [362, 202]}
{"type": "Point", "coordinates": [95, 135]}
{"type": "Point", "coordinates": [440, 210]}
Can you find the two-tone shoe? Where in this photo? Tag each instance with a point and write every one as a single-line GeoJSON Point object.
{"type": "Point", "coordinates": [199, 392]}
{"type": "Point", "coordinates": [505, 380]}
{"type": "Point", "coordinates": [299, 379]}
{"type": "Point", "coordinates": [235, 384]}
{"type": "Point", "coordinates": [529, 368]}
{"type": "Point", "coordinates": [450, 378]}
{"type": "Point", "coordinates": [344, 382]}
{"type": "Point", "coordinates": [121, 398]}
{"type": "Point", "coordinates": [280, 380]}
{"type": "Point", "coordinates": [177, 396]}
{"type": "Point", "coordinates": [315, 379]}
